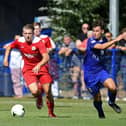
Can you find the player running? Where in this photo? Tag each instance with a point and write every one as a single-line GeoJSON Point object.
{"type": "Point", "coordinates": [95, 73]}
{"type": "Point", "coordinates": [50, 45]}
{"type": "Point", "coordinates": [35, 69]}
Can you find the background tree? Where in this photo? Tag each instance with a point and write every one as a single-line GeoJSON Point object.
{"type": "Point", "coordinates": [122, 14]}
{"type": "Point", "coordinates": [68, 15]}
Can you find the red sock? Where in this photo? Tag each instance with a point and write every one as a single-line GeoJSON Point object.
{"type": "Point", "coordinates": [50, 106]}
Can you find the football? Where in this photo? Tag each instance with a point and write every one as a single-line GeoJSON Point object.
{"type": "Point", "coordinates": [17, 110]}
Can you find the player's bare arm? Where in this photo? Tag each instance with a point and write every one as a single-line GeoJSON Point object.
{"type": "Point", "coordinates": [44, 60]}
{"type": "Point", "coordinates": [121, 48]}
{"type": "Point", "coordinates": [7, 52]}
{"type": "Point", "coordinates": [62, 51]}
{"type": "Point", "coordinates": [68, 52]}
{"type": "Point", "coordinates": [108, 44]}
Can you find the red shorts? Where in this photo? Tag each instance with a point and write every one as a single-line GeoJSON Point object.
{"type": "Point", "coordinates": [31, 77]}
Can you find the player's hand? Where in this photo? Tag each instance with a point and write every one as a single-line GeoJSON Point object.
{"type": "Point", "coordinates": [5, 63]}
{"type": "Point", "coordinates": [121, 48]}
{"type": "Point", "coordinates": [119, 37]}
{"type": "Point", "coordinates": [36, 69]}
{"type": "Point", "coordinates": [124, 35]}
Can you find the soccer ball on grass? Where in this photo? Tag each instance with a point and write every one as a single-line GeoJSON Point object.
{"type": "Point", "coordinates": [18, 110]}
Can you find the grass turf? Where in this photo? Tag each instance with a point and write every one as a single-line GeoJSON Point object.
{"type": "Point", "coordinates": [70, 113]}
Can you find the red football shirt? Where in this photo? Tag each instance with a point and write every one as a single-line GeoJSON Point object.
{"type": "Point", "coordinates": [31, 52]}
{"type": "Point", "coordinates": [47, 41]}
{"type": "Point", "coordinates": [84, 43]}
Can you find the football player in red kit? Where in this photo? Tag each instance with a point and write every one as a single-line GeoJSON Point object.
{"type": "Point", "coordinates": [35, 69]}
{"type": "Point", "coordinates": [49, 44]}
{"type": "Point", "coordinates": [48, 41]}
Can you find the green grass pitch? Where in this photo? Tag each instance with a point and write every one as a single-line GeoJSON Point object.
{"type": "Point", "coordinates": [70, 113]}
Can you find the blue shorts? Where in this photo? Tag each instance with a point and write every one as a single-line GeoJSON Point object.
{"type": "Point", "coordinates": [94, 81]}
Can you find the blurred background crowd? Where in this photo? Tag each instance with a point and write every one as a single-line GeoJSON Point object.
{"type": "Point", "coordinates": [69, 30]}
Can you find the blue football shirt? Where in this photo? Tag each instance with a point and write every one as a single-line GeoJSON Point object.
{"type": "Point", "coordinates": [94, 58]}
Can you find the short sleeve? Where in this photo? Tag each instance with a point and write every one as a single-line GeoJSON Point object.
{"type": "Point", "coordinates": [47, 42]}
{"type": "Point", "coordinates": [72, 45]}
{"type": "Point", "coordinates": [92, 42]}
{"type": "Point", "coordinates": [14, 44]}
{"type": "Point", "coordinates": [42, 47]}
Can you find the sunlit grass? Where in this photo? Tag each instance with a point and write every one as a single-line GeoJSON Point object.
{"type": "Point", "coordinates": [69, 113]}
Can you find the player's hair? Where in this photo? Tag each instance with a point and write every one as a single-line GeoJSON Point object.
{"type": "Point", "coordinates": [28, 26]}
{"type": "Point", "coordinates": [98, 23]}
{"type": "Point", "coordinates": [36, 24]}
{"type": "Point", "coordinates": [123, 30]}
{"type": "Point", "coordinates": [16, 37]}
{"type": "Point", "coordinates": [109, 33]}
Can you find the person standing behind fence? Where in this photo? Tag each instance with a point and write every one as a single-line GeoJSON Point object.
{"type": "Point", "coordinates": [82, 47]}
{"type": "Point", "coordinates": [83, 35]}
{"type": "Point", "coordinates": [15, 67]}
{"type": "Point", "coordinates": [80, 43]}
{"type": "Point", "coordinates": [95, 73]}
{"type": "Point", "coordinates": [112, 60]}
{"type": "Point", "coordinates": [71, 62]}
{"type": "Point", "coordinates": [122, 47]}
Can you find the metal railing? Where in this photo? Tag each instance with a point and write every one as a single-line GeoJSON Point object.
{"type": "Point", "coordinates": [61, 69]}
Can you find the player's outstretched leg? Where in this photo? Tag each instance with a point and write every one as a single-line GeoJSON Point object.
{"type": "Point", "coordinates": [51, 109]}
{"type": "Point", "coordinates": [49, 99]}
{"type": "Point", "coordinates": [111, 102]}
{"type": "Point", "coordinates": [39, 100]}
{"type": "Point", "coordinates": [37, 94]}
{"type": "Point", "coordinates": [98, 106]}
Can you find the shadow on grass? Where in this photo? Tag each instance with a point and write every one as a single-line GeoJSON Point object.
{"type": "Point", "coordinates": [61, 106]}
{"type": "Point", "coordinates": [56, 117]}
{"type": "Point", "coordinates": [122, 118]}
{"type": "Point", "coordinates": [4, 109]}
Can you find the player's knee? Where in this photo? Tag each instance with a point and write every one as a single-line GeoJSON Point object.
{"type": "Point", "coordinates": [113, 88]}
{"type": "Point", "coordinates": [34, 92]}
{"type": "Point", "coordinates": [33, 88]}
{"type": "Point", "coordinates": [97, 97]}
{"type": "Point", "coordinates": [49, 95]}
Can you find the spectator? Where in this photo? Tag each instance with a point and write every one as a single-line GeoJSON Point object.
{"type": "Point", "coordinates": [109, 54]}
{"type": "Point", "coordinates": [122, 47]}
{"type": "Point", "coordinates": [112, 60]}
{"type": "Point", "coordinates": [81, 43]}
{"type": "Point", "coordinates": [83, 34]}
{"type": "Point", "coordinates": [108, 36]}
{"type": "Point", "coordinates": [82, 47]}
{"type": "Point", "coordinates": [71, 60]}
{"type": "Point", "coordinates": [15, 67]}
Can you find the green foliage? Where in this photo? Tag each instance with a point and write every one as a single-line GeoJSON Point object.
{"type": "Point", "coordinates": [122, 16]}
{"type": "Point", "coordinates": [68, 15]}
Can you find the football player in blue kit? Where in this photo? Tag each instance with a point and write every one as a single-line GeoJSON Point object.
{"type": "Point", "coordinates": [95, 74]}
